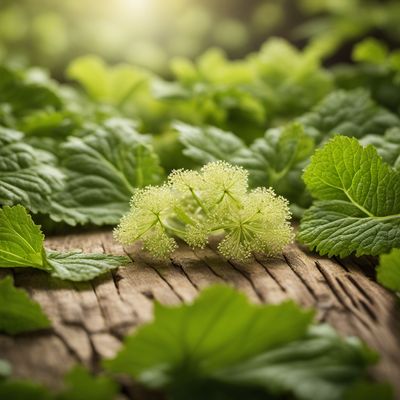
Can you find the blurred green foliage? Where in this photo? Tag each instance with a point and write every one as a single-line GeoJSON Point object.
{"type": "Point", "coordinates": [149, 33]}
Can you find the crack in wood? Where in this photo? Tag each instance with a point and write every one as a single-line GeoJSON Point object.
{"type": "Point", "coordinates": [301, 278]}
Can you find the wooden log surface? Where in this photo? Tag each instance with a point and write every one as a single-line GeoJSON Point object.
{"type": "Point", "coordinates": [89, 320]}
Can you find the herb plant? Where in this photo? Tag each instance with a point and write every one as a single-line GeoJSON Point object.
{"type": "Point", "coordinates": [194, 205]}
{"type": "Point", "coordinates": [22, 245]}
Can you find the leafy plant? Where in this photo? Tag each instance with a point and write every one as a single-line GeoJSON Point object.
{"type": "Point", "coordinates": [275, 160]}
{"type": "Point", "coordinates": [388, 271]}
{"type": "Point", "coordinates": [82, 180]}
{"type": "Point", "coordinates": [358, 207]}
{"type": "Point", "coordinates": [220, 346]}
{"type": "Point", "coordinates": [21, 245]}
{"type": "Point", "coordinates": [18, 313]}
{"type": "Point", "coordinates": [102, 169]}
{"type": "Point", "coordinates": [193, 205]}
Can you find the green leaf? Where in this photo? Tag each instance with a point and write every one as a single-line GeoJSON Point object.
{"type": "Point", "coordinates": [78, 266]}
{"type": "Point", "coordinates": [113, 85]}
{"type": "Point", "coordinates": [18, 313]}
{"type": "Point", "coordinates": [276, 160]}
{"type": "Point", "coordinates": [388, 145]}
{"type": "Point", "coordinates": [21, 241]}
{"type": "Point", "coordinates": [388, 271]}
{"type": "Point", "coordinates": [21, 245]}
{"type": "Point", "coordinates": [209, 144]}
{"type": "Point", "coordinates": [23, 390]}
{"type": "Point", "coordinates": [26, 175]}
{"type": "Point", "coordinates": [222, 347]}
{"type": "Point", "coordinates": [81, 385]}
{"type": "Point", "coordinates": [102, 170]}
{"type": "Point", "coordinates": [321, 365]}
{"type": "Point", "coordinates": [27, 91]}
{"type": "Point", "coordinates": [359, 207]}
{"type": "Point", "coordinates": [195, 340]}
{"type": "Point", "coordinates": [369, 391]}
{"type": "Point", "coordinates": [349, 113]}
{"type": "Point", "coordinates": [371, 51]}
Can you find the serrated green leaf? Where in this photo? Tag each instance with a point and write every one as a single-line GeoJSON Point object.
{"type": "Point", "coordinates": [26, 175]}
{"type": "Point", "coordinates": [21, 245]}
{"type": "Point", "coordinates": [388, 145]}
{"type": "Point", "coordinates": [102, 170]}
{"type": "Point", "coordinates": [388, 271]}
{"type": "Point", "coordinates": [21, 241]}
{"type": "Point", "coordinates": [359, 207]}
{"type": "Point", "coordinates": [78, 266]}
{"type": "Point", "coordinates": [26, 91]}
{"type": "Point", "coordinates": [209, 144]}
{"type": "Point", "coordinates": [276, 160]}
{"type": "Point", "coordinates": [349, 113]}
{"type": "Point", "coordinates": [18, 313]}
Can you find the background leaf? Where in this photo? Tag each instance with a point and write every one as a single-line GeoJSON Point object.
{"type": "Point", "coordinates": [18, 313]}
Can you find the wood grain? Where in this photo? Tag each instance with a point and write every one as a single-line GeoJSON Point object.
{"type": "Point", "coordinates": [90, 319]}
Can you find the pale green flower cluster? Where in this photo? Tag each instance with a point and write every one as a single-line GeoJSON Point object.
{"type": "Point", "coordinates": [193, 205]}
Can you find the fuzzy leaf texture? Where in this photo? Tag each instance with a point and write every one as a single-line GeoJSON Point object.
{"type": "Point", "coordinates": [102, 169]}
{"type": "Point", "coordinates": [388, 271]}
{"type": "Point", "coordinates": [358, 207]}
{"type": "Point", "coordinates": [18, 313]}
{"type": "Point", "coordinates": [26, 174]}
{"type": "Point", "coordinates": [350, 113]}
{"type": "Point", "coordinates": [22, 245]}
{"type": "Point", "coordinates": [220, 344]}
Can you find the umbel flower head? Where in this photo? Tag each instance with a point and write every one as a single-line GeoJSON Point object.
{"type": "Point", "coordinates": [194, 205]}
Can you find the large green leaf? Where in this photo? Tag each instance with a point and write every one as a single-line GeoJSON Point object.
{"type": "Point", "coordinates": [78, 266]}
{"type": "Point", "coordinates": [18, 313]}
{"type": "Point", "coordinates": [218, 329]}
{"type": "Point", "coordinates": [21, 241]}
{"type": "Point", "coordinates": [102, 170]}
{"type": "Point", "coordinates": [27, 176]}
{"type": "Point", "coordinates": [359, 201]}
{"type": "Point", "coordinates": [221, 347]}
{"type": "Point", "coordinates": [388, 271]}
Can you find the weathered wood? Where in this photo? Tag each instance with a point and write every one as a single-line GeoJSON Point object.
{"type": "Point", "coordinates": [90, 319]}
